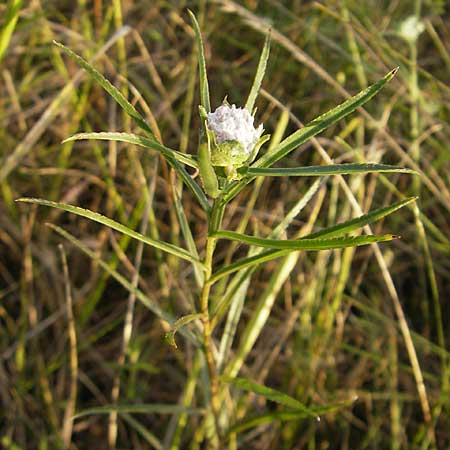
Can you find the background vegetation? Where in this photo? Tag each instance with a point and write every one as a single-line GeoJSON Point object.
{"type": "Point", "coordinates": [345, 324]}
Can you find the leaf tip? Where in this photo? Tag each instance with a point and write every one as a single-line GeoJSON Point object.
{"type": "Point", "coordinates": [192, 15]}
{"type": "Point", "coordinates": [170, 339]}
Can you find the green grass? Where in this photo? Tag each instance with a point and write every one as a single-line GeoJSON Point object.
{"type": "Point", "coordinates": [357, 336]}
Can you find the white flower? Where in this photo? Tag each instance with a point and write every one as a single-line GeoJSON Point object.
{"type": "Point", "coordinates": [229, 123]}
{"type": "Point", "coordinates": [411, 28]}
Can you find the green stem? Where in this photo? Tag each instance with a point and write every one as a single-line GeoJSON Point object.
{"type": "Point", "coordinates": [215, 219]}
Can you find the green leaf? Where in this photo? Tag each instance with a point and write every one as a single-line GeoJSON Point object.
{"type": "Point", "coordinates": [207, 172]}
{"type": "Point", "coordinates": [315, 245]}
{"type": "Point", "coordinates": [303, 243]}
{"type": "Point", "coordinates": [260, 71]}
{"type": "Point", "coordinates": [109, 88]}
{"type": "Point", "coordinates": [359, 222]}
{"type": "Point", "coordinates": [96, 217]}
{"type": "Point", "coordinates": [130, 138]}
{"type": "Point", "coordinates": [254, 421]}
{"type": "Point", "coordinates": [181, 322]}
{"type": "Point", "coordinates": [271, 394]}
{"type": "Point", "coordinates": [187, 235]}
{"type": "Point", "coordinates": [190, 183]}
{"type": "Point", "coordinates": [204, 89]}
{"type": "Point", "coordinates": [132, 112]}
{"type": "Point", "coordinates": [322, 122]}
{"type": "Point", "coordinates": [310, 130]}
{"type": "Point", "coordinates": [151, 408]}
{"type": "Point", "coordinates": [318, 171]}
{"type": "Point", "coordinates": [10, 18]}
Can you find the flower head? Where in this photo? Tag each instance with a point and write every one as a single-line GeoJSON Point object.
{"type": "Point", "coordinates": [411, 28]}
{"type": "Point", "coordinates": [235, 135]}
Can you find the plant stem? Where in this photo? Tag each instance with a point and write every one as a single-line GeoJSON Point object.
{"type": "Point", "coordinates": [214, 221]}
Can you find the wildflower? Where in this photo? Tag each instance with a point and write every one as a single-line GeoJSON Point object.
{"type": "Point", "coordinates": [235, 140]}
{"type": "Point", "coordinates": [411, 28]}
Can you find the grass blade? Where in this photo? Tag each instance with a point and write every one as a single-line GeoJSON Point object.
{"type": "Point", "coordinates": [303, 243]}
{"type": "Point", "coordinates": [322, 122]}
{"type": "Point", "coordinates": [316, 245]}
{"type": "Point", "coordinates": [130, 138]}
{"type": "Point", "coordinates": [109, 88]}
{"type": "Point", "coordinates": [204, 89]}
{"type": "Point", "coordinates": [271, 394]}
{"type": "Point", "coordinates": [148, 302]}
{"type": "Point", "coordinates": [332, 169]}
{"type": "Point", "coordinates": [96, 217]}
{"type": "Point", "coordinates": [151, 408]}
{"type": "Point", "coordinates": [10, 21]}
{"type": "Point", "coordinates": [260, 71]}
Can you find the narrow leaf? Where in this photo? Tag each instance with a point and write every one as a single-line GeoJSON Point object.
{"type": "Point", "coordinates": [303, 243]}
{"type": "Point", "coordinates": [251, 422]}
{"type": "Point", "coordinates": [130, 138]}
{"type": "Point", "coordinates": [359, 222]}
{"type": "Point", "coordinates": [268, 255]}
{"type": "Point", "coordinates": [151, 408]}
{"type": "Point", "coordinates": [181, 322]}
{"type": "Point", "coordinates": [132, 112]}
{"type": "Point", "coordinates": [322, 122]}
{"type": "Point", "coordinates": [260, 71]}
{"type": "Point", "coordinates": [204, 89]}
{"type": "Point", "coordinates": [96, 217]}
{"type": "Point", "coordinates": [109, 88]}
{"type": "Point", "coordinates": [271, 394]}
{"type": "Point", "coordinates": [10, 18]}
{"type": "Point", "coordinates": [310, 130]}
{"type": "Point", "coordinates": [332, 169]}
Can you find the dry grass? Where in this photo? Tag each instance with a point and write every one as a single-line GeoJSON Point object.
{"type": "Point", "coordinates": [342, 324]}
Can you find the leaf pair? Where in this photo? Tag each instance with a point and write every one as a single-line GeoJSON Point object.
{"type": "Point", "coordinates": [329, 238]}
{"type": "Point", "coordinates": [172, 157]}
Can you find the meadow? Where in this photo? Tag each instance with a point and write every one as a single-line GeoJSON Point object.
{"type": "Point", "coordinates": [152, 300]}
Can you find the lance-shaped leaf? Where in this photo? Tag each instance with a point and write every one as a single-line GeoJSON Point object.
{"type": "Point", "coordinates": [318, 171]}
{"type": "Point", "coordinates": [322, 122]}
{"type": "Point", "coordinates": [359, 222]}
{"type": "Point", "coordinates": [204, 89]}
{"type": "Point", "coordinates": [260, 71]}
{"type": "Point", "coordinates": [309, 245]}
{"type": "Point", "coordinates": [303, 243]}
{"type": "Point", "coordinates": [132, 112]}
{"type": "Point", "coordinates": [310, 130]}
{"type": "Point", "coordinates": [109, 88]}
{"type": "Point", "coordinates": [181, 322]}
{"type": "Point", "coordinates": [134, 139]}
{"type": "Point", "coordinates": [96, 217]}
{"type": "Point", "coordinates": [261, 419]}
{"type": "Point", "coordinates": [271, 394]}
